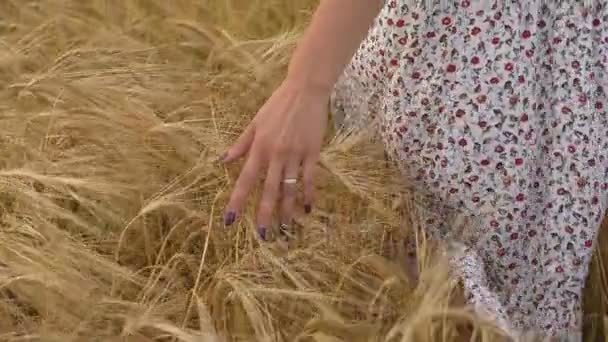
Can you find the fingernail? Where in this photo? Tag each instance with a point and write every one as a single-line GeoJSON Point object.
{"type": "Point", "coordinates": [229, 218]}
{"type": "Point", "coordinates": [262, 233]}
{"type": "Point", "coordinates": [308, 208]}
{"type": "Point", "coordinates": [223, 158]}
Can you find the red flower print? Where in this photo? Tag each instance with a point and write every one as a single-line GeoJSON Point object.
{"type": "Point", "coordinates": [521, 79]}
{"type": "Point", "coordinates": [524, 117]}
{"type": "Point", "coordinates": [390, 22]}
{"type": "Point", "coordinates": [462, 142]}
{"type": "Point", "coordinates": [494, 80]}
{"type": "Point", "coordinates": [430, 34]}
{"type": "Point", "coordinates": [451, 68]}
{"type": "Point", "coordinates": [446, 21]}
{"type": "Point", "coordinates": [394, 62]}
{"type": "Point", "coordinates": [520, 197]}
{"type": "Point", "coordinates": [416, 75]}
{"type": "Point", "coordinates": [582, 99]}
{"type": "Point", "coordinates": [571, 148]}
{"type": "Point", "coordinates": [475, 31]}
{"type": "Point", "coordinates": [581, 183]}
{"type": "Point", "coordinates": [514, 236]}
{"type": "Point", "coordinates": [402, 40]}
{"type": "Point", "coordinates": [588, 243]}
{"type": "Point", "coordinates": [526, 34]}
{"type": "Point", "coordinates": [495, 40]}
{"type": "Point", "coordinates": [400, 23]}
{"type": "Point", "coordinates": [501, 252]}
{"type": "Point", "coordinates": [475, 60]}
{"type": "Point", "coordinates": [599, 105]}
{"type": "Point", "coordinates": [465, 3]}
{"type": "Point", "coordinates": [499, 149]}
{"type": "Point", "coordinates": [482, 124]}
{"type": "Point", "coordinates": [596, 22]}
{"type": "Point", "coordinates": [509, 66]}
{"type": "Point", "coordinates": [485, 162]}
{"type": "Point", "coordinates": [481, 98]}
{"type": "Point", "coordinates": [519, 161]}
{"type": "Point", "coordinates": [559, 269]}
{"type": "Point", "coordinates": [529, 53]}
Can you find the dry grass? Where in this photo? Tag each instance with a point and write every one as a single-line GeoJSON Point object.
{"type": "Point", "coordinates": [112, 115]}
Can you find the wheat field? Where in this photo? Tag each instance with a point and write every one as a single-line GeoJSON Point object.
{"type": "Point", "coordinates": [112, 116]}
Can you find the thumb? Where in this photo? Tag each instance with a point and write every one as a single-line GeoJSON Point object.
{"type": "Point", "coordinates": [241, 146]}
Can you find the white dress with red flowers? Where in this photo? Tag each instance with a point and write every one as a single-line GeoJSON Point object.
{"type": "Point", "coordinates": [496, 111]}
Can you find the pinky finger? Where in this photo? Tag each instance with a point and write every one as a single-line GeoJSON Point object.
{"type": "Point", "coordinates": [309, 168]}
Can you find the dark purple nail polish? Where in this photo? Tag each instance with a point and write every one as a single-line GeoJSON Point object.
{"type": "Point", "coordinates": [229, 218]}
{"type": "Point", "coordinates": [308, 208]}
{"type": "Point", "coordinates": [262, 233]}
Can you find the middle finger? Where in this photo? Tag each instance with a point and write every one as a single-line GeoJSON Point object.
{"type": "Point", "coordinates": [288, 193]}
{"type": "Point", "coordinates": [269, 197]}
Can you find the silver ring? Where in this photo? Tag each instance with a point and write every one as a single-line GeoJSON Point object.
{"type": "Point", "coordinates": [290, 181]}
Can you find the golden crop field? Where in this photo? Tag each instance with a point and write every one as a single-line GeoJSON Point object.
{"type": "Point", "coordinates": [113, 114]}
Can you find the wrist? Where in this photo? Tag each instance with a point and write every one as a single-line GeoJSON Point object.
{"type": "Point", "coordinates": [308, 84]}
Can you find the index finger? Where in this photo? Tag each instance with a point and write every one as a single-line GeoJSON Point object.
{"type": "Point", "coordinates": [242, 187]}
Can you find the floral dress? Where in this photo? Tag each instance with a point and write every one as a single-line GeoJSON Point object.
{"type": "Point", "coordinates": [496, 111]}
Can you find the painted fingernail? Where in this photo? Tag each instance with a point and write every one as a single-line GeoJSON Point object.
{"type": "Point", "coordinates": [262, 233]}
{"type": "Point", "coordinates": [308, 208]}
{"type": "Point", "coordinates": [223, 158]}
{"type": "Point", "coordinates": [229, 218]}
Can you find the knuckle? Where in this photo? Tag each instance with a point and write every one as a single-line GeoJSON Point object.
{"type": "Point", "coordinates": [265, 208]}
{"type": "Point", "coordinates": [289, 192]}
{"type": "Point", "coordinates": [282, 150]}
{"type": "Point", "coordinates": [308, 180]}
{"type": "Point", "coordinates": [237, 197]}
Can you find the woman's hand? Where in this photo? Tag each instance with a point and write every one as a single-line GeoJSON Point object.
{"type": "Point", "coordinates": [284, 136]}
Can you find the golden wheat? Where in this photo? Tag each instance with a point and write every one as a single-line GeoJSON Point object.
{"type": "Point", "coordinates": [112, 115]}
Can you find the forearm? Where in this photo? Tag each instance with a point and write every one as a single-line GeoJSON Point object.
{"type": "Point", "coordinates": [337, 29]}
